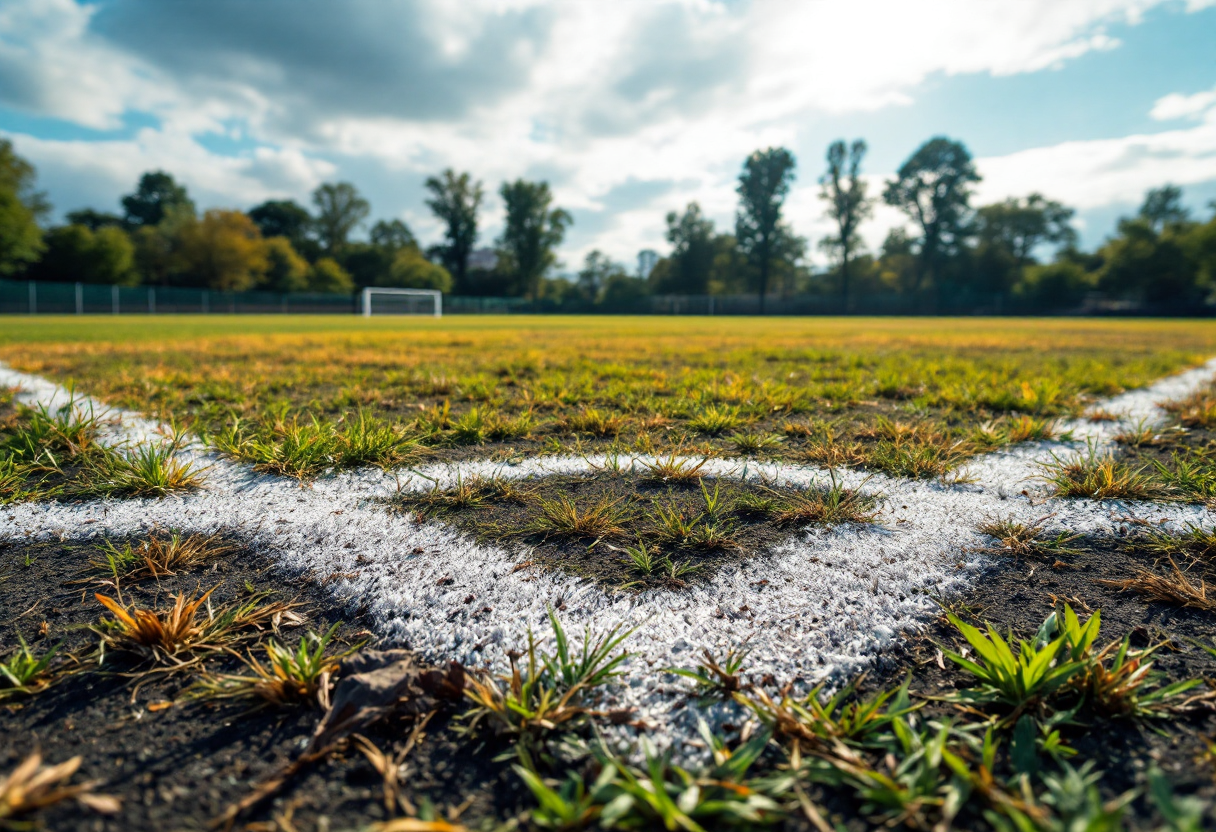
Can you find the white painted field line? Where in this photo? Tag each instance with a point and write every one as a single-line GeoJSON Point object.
{"type": "Point", "coordinates": [822, 603]}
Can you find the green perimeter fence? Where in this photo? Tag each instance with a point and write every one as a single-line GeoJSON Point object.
{"type": "Point", "coordinates": [41, 298]}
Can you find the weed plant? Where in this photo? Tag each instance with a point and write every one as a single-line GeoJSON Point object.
{"type": "Point", "coordinates": [561, 516]}
{"type": "Point", "coordinates": [1100, 476]}
{"type": "Point", "coordinates": [32, 786]}
{"type": "Point", "coordinates": [1027, 540]}
{"type": "Point", "coordinates": [158, 555]}
{"type": "Point", "coordinates": [716, 678]}
{"type": "Point", "coordinates": [288, 677]}
{"type": "Point", "coordinates": [24, 672]}
{"type": "Point", "coordinates": [191, 627]}
{"type": "Point", "coordinates": [552, 692]}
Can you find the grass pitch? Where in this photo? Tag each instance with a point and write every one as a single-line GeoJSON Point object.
{"type": "Point", "coordinates": [910, 397]}
{"type": "Point", "coordinates": [1097, 650]}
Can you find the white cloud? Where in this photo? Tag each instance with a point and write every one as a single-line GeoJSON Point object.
{"type": "Point", "coordinates": [1177, 105]}
{"type": "Point", "coordinates": [590, 96]}
{"type": "Point", "coordinates": [1090, 174]}
{"type": "Point", "coordinates": [113, 167]}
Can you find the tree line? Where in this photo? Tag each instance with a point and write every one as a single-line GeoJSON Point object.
{"type": "Point", "coordinates": [1023, 248]}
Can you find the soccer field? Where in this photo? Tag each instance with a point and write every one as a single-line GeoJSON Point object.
{"type": "Point", "coordinates": [733, 517]}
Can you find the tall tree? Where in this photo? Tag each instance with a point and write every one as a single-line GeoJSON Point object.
{"type": "Point", "coordinates": [340, 210]}
{"type": "Point", "coordinates": [285, 218]}
{"type": "Point", "coordinates": [1163, 206]}
{"type": "Point", "coordinates": [223, 250]}
{"type": "Point", "coordinates": [763, 185]}
{"type": "Point", "coordinates": [842, 187]}
{"type": "Point", "coordinates": [934, 188]}
{"type": "Point", "coordinates": [392, 234]}
{"type": "Point", "coordinates": [21, 207]}
{"type": "Point", "coordinates": [94, 220]}
{"type": "Point", "coordinates": [532, 232]}
{"type": "Point", "coordinates": [686, 271]}
{"type": "Point", "coordinates": [156, 195]}
{"type": "Point", "coordinates": [455, 200]}
{"type": "Point", "coordinates": [78, 253]}
{"type": "Point", "coordinates": [1022, 225]}
{"type": "Point", "coordinates": [286, 270]}
{"type": "Point", "coordinates": [597, 271]}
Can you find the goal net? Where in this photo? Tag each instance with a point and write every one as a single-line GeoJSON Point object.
{"type": "Point", "coordinates": [375, 301]}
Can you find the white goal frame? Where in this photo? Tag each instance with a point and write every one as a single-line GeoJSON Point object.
{"type": "Point", "coordinates": [365, 298]}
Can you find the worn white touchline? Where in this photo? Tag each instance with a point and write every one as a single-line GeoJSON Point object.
{"type": "Point", "coordinates": [821, 604]}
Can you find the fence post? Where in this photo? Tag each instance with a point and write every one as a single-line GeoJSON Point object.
{"type": "Point", "coordinates": [79, 298]}
{"type": "Point", "coordinates": [151, 300]}
{"type": "Point", "coordinates": [114, 299]}
{"type": "Point", "coordinates": [206, 302]}
{"type": "Point", "coordinates": [33, 298]}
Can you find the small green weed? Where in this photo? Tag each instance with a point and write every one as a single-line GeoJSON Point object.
{"type": "Point", "coordinates": [714, 678]}
{"type": "Point", "coordinates": [1022, 540]}
{"type": "Point", "coordinates": [25, 672]}
{"type": "Point", "coordinates": [551, 691]}
{"type": "Point", "coordinates": [289, 677]}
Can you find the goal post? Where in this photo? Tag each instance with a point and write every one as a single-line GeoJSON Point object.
{"type": "Point", "coordinates": [376, 300]}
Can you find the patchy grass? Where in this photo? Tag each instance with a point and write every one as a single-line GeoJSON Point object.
{"type": "Point", "coordinates": [53, 454]}
{"type": "Point", "coordinates": [660, 527]}
{"type": "Point", "coordinates": [1028, 540]}
{"type": "Point", "coordinates": [159, 555]}
{"type": "Point", "coordinates": [1176, 588]}
{"type": "Point", "coordinates": [562, 517]}
{"type": "Point", "coordinates": [1196, 543]}
{"type": "Point", "coordinates": [1195, 411]}
{"type": "Point", "coordinates": [1103, 476]}
{"type": "Point", "coordinates": [301, 396]}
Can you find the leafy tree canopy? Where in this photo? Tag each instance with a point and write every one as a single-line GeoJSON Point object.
{"type": "Point", "coordinates": [78, 253]}
{"type": "Point", "coordinates": [283, 218]}
{"type": "Point", "coordinates": [21, 207]}
{"type": "Point", "coordinates": [455, 199]}
{"type": "Point", "coordinates": [392, 234]}
{"type": "Point", "coordinates": [155, 196]}
{"type": "Point", "coordinates": [934, 189]}
{"type": "Point", "coordinates": [533, 230]}
{"type": "Point", "coordinates": [763, 186]}
{"type": "Point", "coordinates": [340, 210]}
{"type": "Point", "coordinates": [411, 270]}
{"type": "Point", "coordinates": [1163, 206]}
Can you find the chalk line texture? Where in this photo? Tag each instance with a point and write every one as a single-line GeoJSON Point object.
{"type": "Point", "coordinates": [818, 607]}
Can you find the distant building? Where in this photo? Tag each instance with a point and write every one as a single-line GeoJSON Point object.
{"type": "Point", "coordinates": [484, 259]}
{"type": "Point", "coordinates": [647, 258]}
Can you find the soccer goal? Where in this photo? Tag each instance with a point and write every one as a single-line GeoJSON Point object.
{"type": "Point", "coordinates": [376, 301]}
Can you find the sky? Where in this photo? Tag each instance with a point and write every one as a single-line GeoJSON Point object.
{"type": "Point", "coordinates": [628, 108]}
